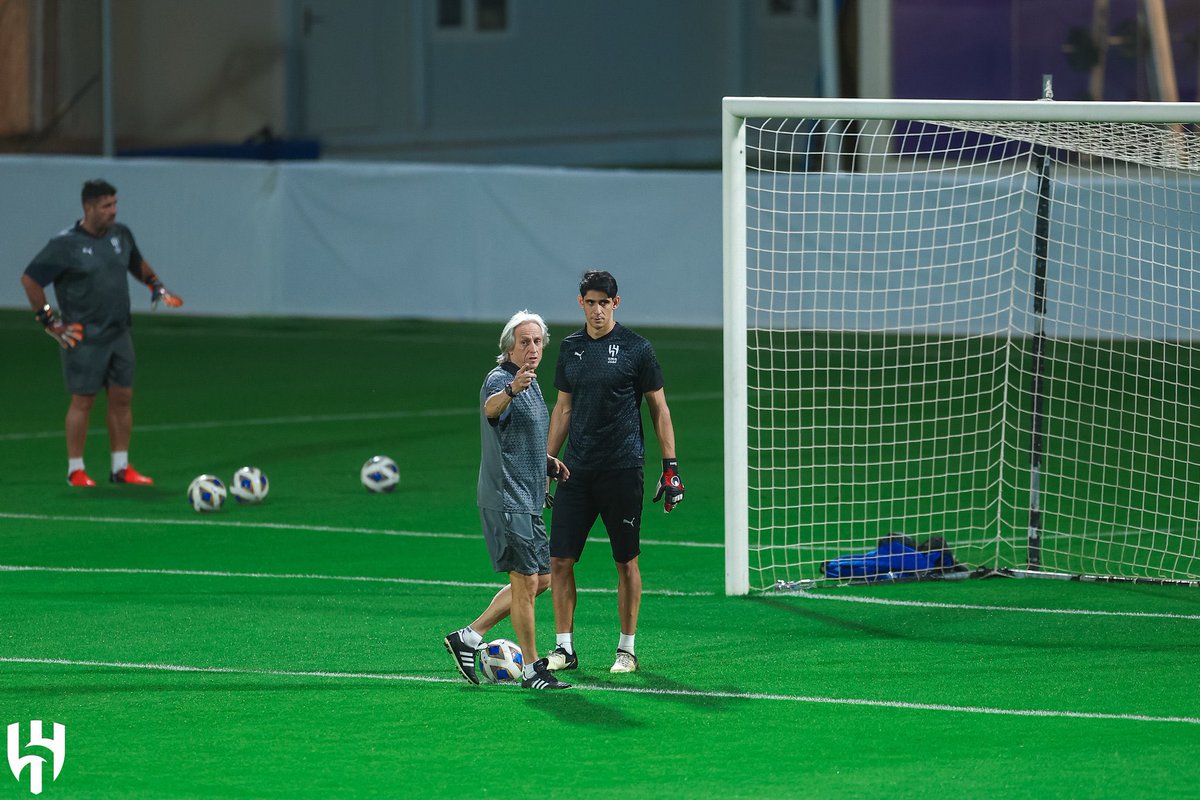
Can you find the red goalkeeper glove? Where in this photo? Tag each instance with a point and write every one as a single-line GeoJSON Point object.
{"type": "Point", "coordinates": [159, 293]}
{"type": "Point", "coordinates": [67, 336]}
{"type": "Point", "coordinates": [670, 484]}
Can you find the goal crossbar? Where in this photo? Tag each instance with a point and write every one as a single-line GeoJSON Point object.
{"type": "Point", "coordinates": [740, 108]}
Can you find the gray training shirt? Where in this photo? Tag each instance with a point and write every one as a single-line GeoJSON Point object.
{"type": "Point", "coordinates": [512, 463]}
{"type": "Point", "coordinates": [88, 273]}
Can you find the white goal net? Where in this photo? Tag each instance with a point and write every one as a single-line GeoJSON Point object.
{"type": "Point", "coordinates": [969, 320]}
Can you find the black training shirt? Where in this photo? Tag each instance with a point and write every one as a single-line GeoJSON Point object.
{"type": "Point", "coordinates": [606, 379]}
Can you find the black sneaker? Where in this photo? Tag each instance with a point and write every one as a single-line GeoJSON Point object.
{"type": "Point", "coordinates": [559, 658]}
{"type": "Point", "coordinates": [464, 655]}
{"type": "Point", "coordinates": [543, 678]}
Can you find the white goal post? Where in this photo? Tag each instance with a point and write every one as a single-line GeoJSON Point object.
{"type": "Point", "coordinates": [973, 320]}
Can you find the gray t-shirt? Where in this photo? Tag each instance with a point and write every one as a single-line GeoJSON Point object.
{"type": "Point", "coordinates": [88, 273]}
{"type": "Point", "coordinates": [512, 461]}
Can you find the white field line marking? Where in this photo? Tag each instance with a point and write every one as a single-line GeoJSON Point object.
{"type": "Point", "coordinates": [204, 573]}
{"type": "Point", "coordinates": [657, 592]}
{"type": "Point", "coordinates": [849, 701]}
{"type": "Point", "coordinates": [972, 607]}
{"type": "Point", "coordinates": [302, 419]}
{"type": "Point", "coordinates": [284, 526]}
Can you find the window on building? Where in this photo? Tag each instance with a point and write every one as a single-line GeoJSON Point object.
{"type": "Point", "coordinates": [472, 16]}
{"type": "Point", "coordinates": [491, 15]}
{"type": "Point", "coordinates": [450, 14]}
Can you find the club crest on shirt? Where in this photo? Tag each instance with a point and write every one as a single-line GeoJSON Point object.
{"type": "Point", "coordinates": [613, 351]}
{"type": "Point", "coordinates": [116, 244]}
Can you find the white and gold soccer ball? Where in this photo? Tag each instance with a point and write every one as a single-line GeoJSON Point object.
{"type": "Point", "coordinates": [249, 485]}
{"type": "Point", "coordinates": [501, 661]}
{"type": "Point", "coordinates": [380, 474]}
{"type": "Point", "coordinates": [206, 493]}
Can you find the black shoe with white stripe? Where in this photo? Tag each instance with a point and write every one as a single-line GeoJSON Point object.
{"type": "Point", "coordinates": [543, 678]}
{"type": "Point", "coordinates": [464, 655]}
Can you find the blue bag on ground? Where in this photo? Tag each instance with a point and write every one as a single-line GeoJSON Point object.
{"type": "Point", "coordinates": [897, 557]}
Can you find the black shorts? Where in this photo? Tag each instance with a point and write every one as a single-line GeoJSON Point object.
{"type": "Point", "coordinates": [614, 495]}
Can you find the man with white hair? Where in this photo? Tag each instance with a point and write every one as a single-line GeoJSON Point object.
{"type": "Point", "coordinates": [513, 473]}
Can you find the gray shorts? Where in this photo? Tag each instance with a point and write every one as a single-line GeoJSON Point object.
{"type": "Point", "coordinates": [90, 366]}
{"type": "Point", "coordinates": [516, 542]}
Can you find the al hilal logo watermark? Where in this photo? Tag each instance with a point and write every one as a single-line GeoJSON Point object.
{"type": "Point", "coordinates": [57, 745]}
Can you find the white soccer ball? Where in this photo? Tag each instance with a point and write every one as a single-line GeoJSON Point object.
{"type": "Point", "coordinates": [380, 474]}
{"type": "Point", "coordinates": [249, 485]}
{"type": "Point", "coordinates": [206, 493]}
{"type": "Point", "coordinates": [501, 661]}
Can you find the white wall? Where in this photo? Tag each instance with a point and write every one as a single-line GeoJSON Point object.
{"type": "Point", "coordinates": [388, 240]}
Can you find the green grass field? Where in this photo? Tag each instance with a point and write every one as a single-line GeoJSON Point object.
{"type": "Point", "coordinates": [293, 649]}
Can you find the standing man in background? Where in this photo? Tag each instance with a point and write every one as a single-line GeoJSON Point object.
{"type": "Point", "coordinates": [87, 264]}
{"type": "Point", "coordinates": [513, 472]}
{"type": "Point", "coordinates": [603, 372]}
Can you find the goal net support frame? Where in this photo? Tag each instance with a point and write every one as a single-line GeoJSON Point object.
{"type": "Point", "coordinates": [863, 119]}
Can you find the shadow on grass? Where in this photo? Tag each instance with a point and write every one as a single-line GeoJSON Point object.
{"type": "Point", "coordinates": [577, 708]}
{"type": "Point", "coordinates": [1039, 635]}
{"type": "Point", "coordinates": [111, 493]}
{"type": "Point", "coordinates": [828, 619]}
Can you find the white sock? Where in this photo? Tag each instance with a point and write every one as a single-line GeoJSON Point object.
{"type": "Point", "coordinates": [74, 464]}
{"type": "Point", "coordinates": [120, 460]}
{"type": "Point", "coordinates": [528, 671]}
{"type": "Point", "coordinates": [626, 643]}
{"type": "Point", "coordinates": [472, 638]}
{"type": "Point", "coordinates": [565, 641]}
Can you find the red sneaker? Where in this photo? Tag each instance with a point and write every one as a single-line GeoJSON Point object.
{"type": "Point", "coordinates": [79, 478]}
{"type": "Point", "coordinates": [130, 475]}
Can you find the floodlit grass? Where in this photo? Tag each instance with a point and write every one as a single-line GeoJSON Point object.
{"type": "Point", "coordinates": [293, 649]}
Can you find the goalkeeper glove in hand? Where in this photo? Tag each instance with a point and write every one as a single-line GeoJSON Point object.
{"type": "Point", "coordinates": [159, 293]}
{"type": "Point", "coordinates": [67, 336]}
{"type": "Point", "coordinates": [670, 484]}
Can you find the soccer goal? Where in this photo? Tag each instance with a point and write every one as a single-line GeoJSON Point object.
{"type": "Point", "coordinates": [976, 320]}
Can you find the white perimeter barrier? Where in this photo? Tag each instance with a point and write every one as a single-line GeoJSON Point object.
{"type": "Point", "coordinates": [377, 240]}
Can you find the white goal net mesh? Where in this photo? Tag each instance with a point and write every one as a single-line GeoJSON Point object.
{"type": "Point", "coordinates": [981, 331]}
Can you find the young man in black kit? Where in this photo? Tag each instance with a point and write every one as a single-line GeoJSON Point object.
{"type": "Point", "coordinates": [603, 372]}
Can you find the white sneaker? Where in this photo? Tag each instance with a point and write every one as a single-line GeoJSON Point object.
{"type": "Point", "coordinates": [626, 662]}
{"type": "Point", "coordinates": [559, 658]}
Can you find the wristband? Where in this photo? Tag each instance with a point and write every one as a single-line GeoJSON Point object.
{"type": "Point", "coordinates": [670, 463]}
{"type": "Point", "coordinates": [508, 390]}
{"type": "Point", "coordinates": [45, 316]}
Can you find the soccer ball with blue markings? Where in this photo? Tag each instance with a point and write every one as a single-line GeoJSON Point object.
{"type": "Point", "coordinates": [206, 493]}
{"type": "Point", "coordinates": [380, 474]}
{"type": "Point", "coordinates": [249, 485]}
{"type": "Point", "coordinates": [501, 661]}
